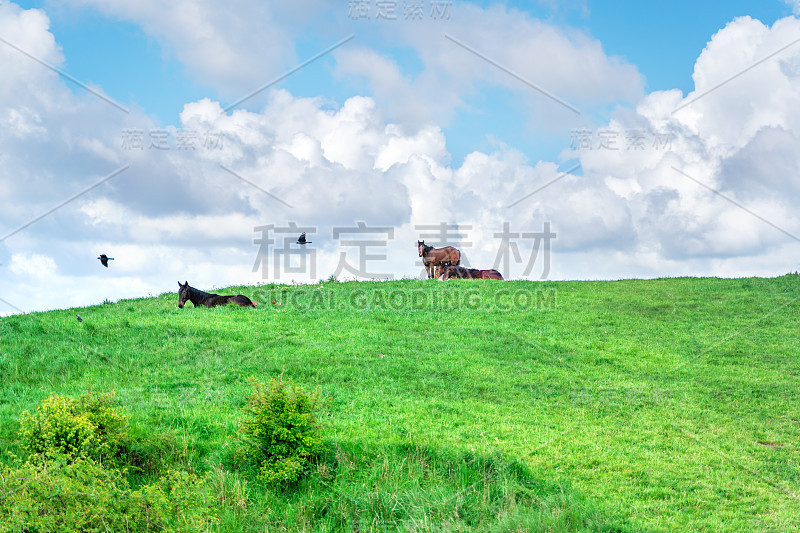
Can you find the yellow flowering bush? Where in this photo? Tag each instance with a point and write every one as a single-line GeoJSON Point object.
{"type": "Point", "coordinates": [90, 426]}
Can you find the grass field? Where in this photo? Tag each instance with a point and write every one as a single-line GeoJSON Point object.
{"type": "Point", "coordinates": [662, 405]}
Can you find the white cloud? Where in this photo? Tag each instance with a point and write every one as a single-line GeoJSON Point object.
{"type": "Point", "coordinates": [32, 266]}
{"type": "Point", "coordinates": [179, 215]}
{"type": "Point", "coordinates": [26, 82]}
{"type": "Point", "coordinates": [567, 64]}
{"type": "Point", "coordinates": [761, 95]}
{"type": "Point", "coordinates": [234, 46]}
{"type": "Point", "coordinates": [794, 4]}
{"type": "Point", "coordinates": [733, 145]}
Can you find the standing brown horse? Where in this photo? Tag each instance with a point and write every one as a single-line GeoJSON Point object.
{"type": "Point", "coordinates": [431, 257]}
{"type": "Point", "coordinates": [198, 298]}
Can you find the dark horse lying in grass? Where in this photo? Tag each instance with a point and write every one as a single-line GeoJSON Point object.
{"type": "Point", "coordinates": [198, 298]}
{"type": "Point", "coordinates": [431, 257]}
{"type": "Point", "coordinates": [448, 271]}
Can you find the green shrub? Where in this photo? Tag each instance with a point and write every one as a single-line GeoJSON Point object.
{"type": "Point", "coordinates": [151, 451]}
{"type": "Point", "coordinates": [281, 433]}
{"type": "Point", "coordinates": [89, 426]}
{"type": "Point", "coordinates": [81, 495]}
{"type": "Point", "coordinates": [178, 501]}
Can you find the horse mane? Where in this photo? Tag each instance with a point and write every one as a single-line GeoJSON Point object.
{"type": "Point", "coordinates": [201, 295]}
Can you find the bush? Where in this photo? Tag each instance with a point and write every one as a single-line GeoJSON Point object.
{"type": "Point", "coordinates": [81, 495]}
{"type": "Point", "coordinates": [89, 426]}
{"type": "Point", "coordinates": [281, 433]}
{"type": "Point", "coordinates": [151, 451]}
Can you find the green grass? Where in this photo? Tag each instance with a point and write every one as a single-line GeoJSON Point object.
{"type": "Point", "coordinates": [663, 405]}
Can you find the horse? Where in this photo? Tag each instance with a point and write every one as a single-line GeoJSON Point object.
{"type": "Point", "coordinates": [198, 297]}
{"type": "Point", "coordinates": [448, 271]}
{"type": "Point", "coordinates": [431, 257]}
{"type": "Point", "coordinates": [486, 274]}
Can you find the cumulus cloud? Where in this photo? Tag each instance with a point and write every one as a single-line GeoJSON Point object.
{"type": "Point", "coordinates": [28, 87]}
{"type": "Point", "coordinates": [725, 187]}
{"type": "Point", "coordinates": [763, 92]}
{"type": "Point", "coordinates": [664, 206]}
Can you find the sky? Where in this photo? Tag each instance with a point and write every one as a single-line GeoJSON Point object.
{"type": "Point", "coordinates": [195, 140]}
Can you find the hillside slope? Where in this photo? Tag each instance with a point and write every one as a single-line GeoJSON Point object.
{"type": "Point", "coordinates": [657, 405]}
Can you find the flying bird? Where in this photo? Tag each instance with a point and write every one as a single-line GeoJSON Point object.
{"type": "Point", "coordinates": [105, 259]}
{"type": "Point", "coordinates": [302, 239]}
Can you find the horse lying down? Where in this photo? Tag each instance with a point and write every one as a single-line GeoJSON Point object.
{"type": "Point", "coordinates": [198, 298]}
{"type": "Point", "coordinates": [448, 271]}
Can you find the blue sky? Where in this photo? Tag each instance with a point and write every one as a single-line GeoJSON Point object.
{"type": "Point", "coordinates": [665, 38]}
{"type": "Point", "coordinates": [662, 39]}
{"type": "Point", "coordinates": [689, 163]}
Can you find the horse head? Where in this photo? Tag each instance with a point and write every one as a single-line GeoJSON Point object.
{"type": "Point", "coordinates": [421, 247]}
{"type": "Point", "coordinates": [183, 294]}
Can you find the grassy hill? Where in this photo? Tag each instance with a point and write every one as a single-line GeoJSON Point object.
{"type": "Point", "coordinates": [663, 405]}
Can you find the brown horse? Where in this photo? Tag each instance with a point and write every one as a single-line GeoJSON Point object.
{"type": "Point", "coordinates": [448, 271]}
{"type": "Point", "coordinates": [198, 298]}
{"type": "Point", "coordinates": [431, 257]}
{"type": "Point", "coordinates": [486, 274]}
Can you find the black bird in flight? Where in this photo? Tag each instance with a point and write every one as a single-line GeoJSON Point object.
{"type": "Point", "coordinates": [105, 259]}
{"type": "Point", "coordinates": [302, 239]}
